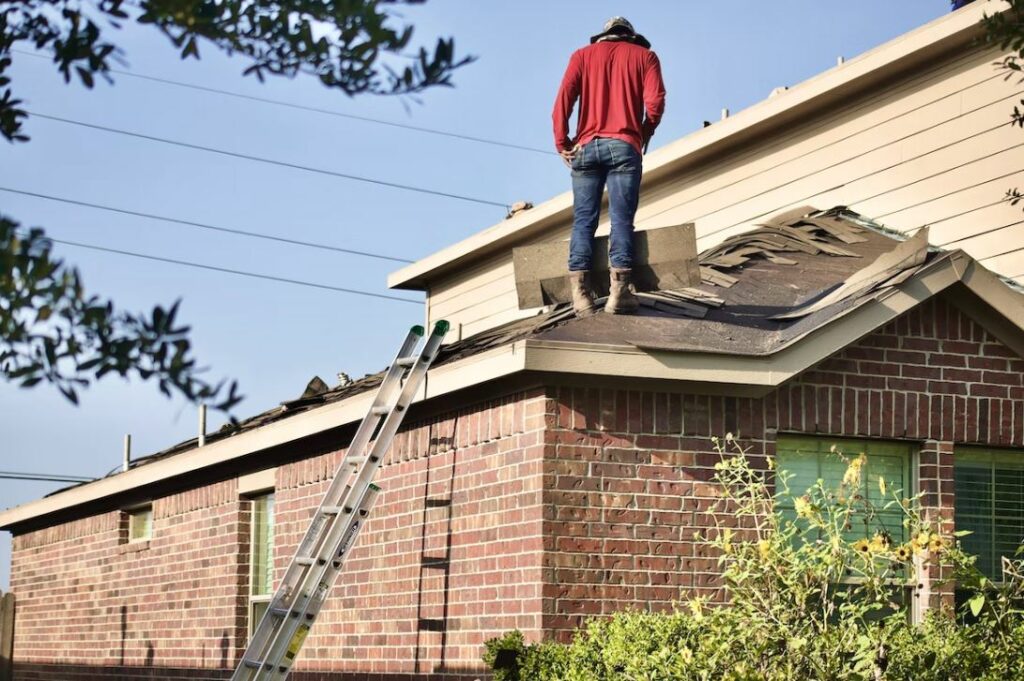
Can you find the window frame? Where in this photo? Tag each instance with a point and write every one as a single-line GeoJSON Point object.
{"type": "Point", "coordinates": [131, 514]}
{"type": "Point", "coordinates": [259, 602]}
{"type": "Point", "coordinates": [994, 455]}
{"type": "Point", "coordinates": [851, 447]}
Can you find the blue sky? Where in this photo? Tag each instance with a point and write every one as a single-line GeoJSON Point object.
{"type": "Point", "coordinates": [274, 337]}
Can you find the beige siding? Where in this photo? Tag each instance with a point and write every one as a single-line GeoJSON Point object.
{"type": "Point", "coordinates": [934, 149]}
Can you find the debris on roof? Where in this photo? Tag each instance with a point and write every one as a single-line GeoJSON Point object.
{"type": "Point", "coordinates": [889, 269]}
{"type": "Point", "coordinates": [518, 207]}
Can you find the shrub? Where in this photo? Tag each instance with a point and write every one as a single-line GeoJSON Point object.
{"type": "Point", "coordinates": [818, 592]}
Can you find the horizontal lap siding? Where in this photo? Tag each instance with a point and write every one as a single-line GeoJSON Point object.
{"type": "Point", "coordinates": [933, 149]}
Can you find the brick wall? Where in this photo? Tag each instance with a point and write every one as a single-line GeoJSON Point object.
{"type": "Point", "coordinates": [532, 511]}
{"type": "Point", "coordinates": [91, 603]}
{"type": "Point", "coordinates": [627, 473]}
{"type": "Point", "coordinates": [450, 556]}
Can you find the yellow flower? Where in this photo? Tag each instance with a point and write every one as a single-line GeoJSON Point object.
{"type": "Point", "coordinates": [862, 546]}
{"type": "Point", "coordinates": [764, 548]}
{"type": "Point", "coordinates": [937, 544]}
{"type": "Point", "coordinates": [881, 485]}
{"type": "Point", "coordinates": [697, 609]}
{"type": "Point", "coordinates": [852, 476]}
{"type": "Point", "coordinates": [727, 540]}
{"type": "Point", "coordinates": [921, 539]}
{"type": "Point", "coordinates": [879, 543]}
{"type": "Point", "coordinates": [903, 553]}
{"type": "Point", "coordinates": [803, 506]}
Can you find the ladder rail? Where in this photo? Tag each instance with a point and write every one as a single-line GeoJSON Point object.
{"type": "Point", "coordinates": [338, 519]}
{"type": "Point", "coordinates": [325, 570]}
{"type": "Point", "coordinates": [288, 590]}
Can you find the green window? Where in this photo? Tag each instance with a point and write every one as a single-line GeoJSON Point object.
{"type": "Point", "coordinates": [809, 459]}
{"type": "Point", "coordinates": [261, 552]}
{"type": "Point", "coordinates": [989, 489]}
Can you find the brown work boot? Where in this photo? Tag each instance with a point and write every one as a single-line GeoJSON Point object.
{"type": "Point", "coordinates": [621, 299]}
{"type": "Point", "coordinates": [582, 298]}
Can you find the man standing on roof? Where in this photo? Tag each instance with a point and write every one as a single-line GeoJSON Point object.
{"type": "Point", "coordinates": [617, 80]}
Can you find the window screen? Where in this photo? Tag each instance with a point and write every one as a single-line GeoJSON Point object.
{"type": "Point", "coordinates": [989, 489]}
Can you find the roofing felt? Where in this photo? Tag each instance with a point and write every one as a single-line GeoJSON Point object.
{"type": "Point", "coordinates": [747, 282]}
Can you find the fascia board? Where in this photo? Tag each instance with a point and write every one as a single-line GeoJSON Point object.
{"type": "Point", "coordinates": [923, 44]}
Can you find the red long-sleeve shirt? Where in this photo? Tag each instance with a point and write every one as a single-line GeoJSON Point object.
{"type": "Point", "coordinates": [617, 83]}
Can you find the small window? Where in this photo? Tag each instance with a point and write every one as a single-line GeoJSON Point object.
{"type": "Point", "coordinates": [140, 524]}
{"type": "Point", "coordinates": [261, 552]}
{"type": "Point", "coordinates": [989, 487]}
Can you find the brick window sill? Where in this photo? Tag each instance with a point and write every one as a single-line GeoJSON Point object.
{"type": "Point", "coordinates": [133, 547]}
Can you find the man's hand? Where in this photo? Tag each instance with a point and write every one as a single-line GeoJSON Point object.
{"type": "Point", "coordinates": [568, 155]}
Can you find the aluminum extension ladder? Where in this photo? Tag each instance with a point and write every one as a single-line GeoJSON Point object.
{"type": "Point", "coordinates": [313, 570]}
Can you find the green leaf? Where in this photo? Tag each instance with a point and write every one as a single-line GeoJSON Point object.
{"type": "Point", "coordinates": [976, 604]}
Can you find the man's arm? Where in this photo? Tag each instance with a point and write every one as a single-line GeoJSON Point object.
{"type": "Point", "coordinates": [654, 96]}
{"type": "Point", "coordinates": [565, 101]}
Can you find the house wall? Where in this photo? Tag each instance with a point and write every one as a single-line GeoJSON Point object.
{"type": "Point", "coordinates": [450, 556]}
{"type": "Point", "coordinates": [531, 511]}
{"type": "Point", "coordinates": [628, 474]}
{"type": "Point", "coordinates": [931, 148]}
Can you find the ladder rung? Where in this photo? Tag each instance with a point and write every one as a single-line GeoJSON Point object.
{"type": "Point", "coordinates": [280, 612]}
{"type": "Point", "coordinates": [427, 624]}
{"type": "Point", "coordinates": [380, 411]}
{"type": "Point", "coordinates": [331, 510]}
{"type": "Point", "coordinates": [437, 562]}
{"type": "Point", "coordinates": [253, 664]}
{"type": "Point", "coordinates": [359, 460]}
{"type": "Point", "coordinates": [406, 361]}
{"type": "Point", "coordinates": [304, 560]}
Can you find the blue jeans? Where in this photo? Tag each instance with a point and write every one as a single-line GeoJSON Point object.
{"type": "Point", "coordinates": [612, 161]}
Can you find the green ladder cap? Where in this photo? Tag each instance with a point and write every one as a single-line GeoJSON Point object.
{"type": "Point", "coordinates": [374, 487]}
{"type": "Point", "coordinates": [418, 330]}
{"type": "Point", "coordinates": [442, 326]}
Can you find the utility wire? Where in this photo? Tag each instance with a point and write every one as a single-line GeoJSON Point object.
{"type": "Point", "coordinates": [313, 109]}
{"type": "Point", "coordinates": [260, 159]}
{"type": "Point", "coordinates": [202, 225]}
{"type": "Point", "coordinates": [44, 477]}
{"type": "Point", "coordinates": [242, 273]}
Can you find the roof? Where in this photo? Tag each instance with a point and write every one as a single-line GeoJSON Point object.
{"type": "Point", "coordinates": [780, 112]}
{"type": "Point", "coordinates": [772, 302]}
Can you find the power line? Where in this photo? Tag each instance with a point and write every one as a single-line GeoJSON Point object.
{"type": "Point", "coordinates": [242, 273]}
{"type": "Point", "coordinates": [43, 477]}
{"type": "Point", "coordinates": [202, 225]}
{"type": "Point", "coordinates": [260, 159]}
{"type": "Point", "coordinates": [313, 109]}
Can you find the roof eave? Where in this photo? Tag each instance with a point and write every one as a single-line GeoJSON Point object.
{"type": "Point", "coordinates": [1003, 312]}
